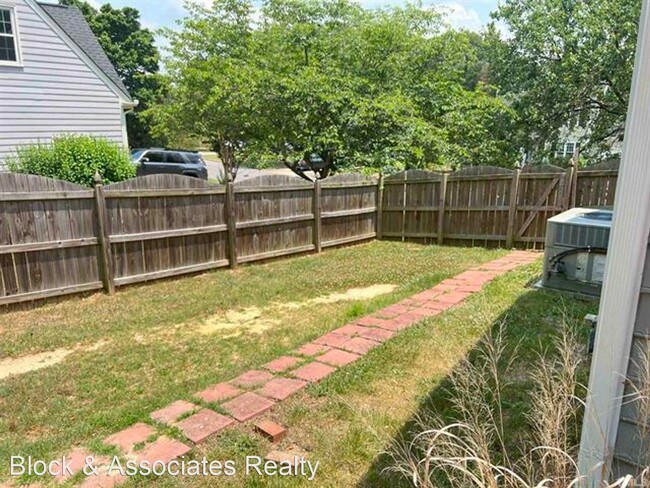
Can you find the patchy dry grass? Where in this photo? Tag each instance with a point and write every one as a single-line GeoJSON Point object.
{"type": "Point", "coordinates": [153, 352]}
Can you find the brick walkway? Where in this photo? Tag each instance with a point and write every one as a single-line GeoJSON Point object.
{"type": "Point", "coordinates": [255, 392]}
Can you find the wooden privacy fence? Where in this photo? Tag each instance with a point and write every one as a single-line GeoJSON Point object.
{"type": "Point", "coordinates": [58, 238]}
{"type": "Point", "coordinates": [488, 206]}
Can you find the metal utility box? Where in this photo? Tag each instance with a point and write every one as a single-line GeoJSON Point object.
{"type": "Point", "coordinates": [576, 250]}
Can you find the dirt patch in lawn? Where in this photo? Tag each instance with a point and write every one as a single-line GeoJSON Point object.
{"type": "Point", "coordinates": [250, 319]}
{"type": "Point", "coordinates": [256, 320]}
{"type": "Point", "coordinates": [352, 294]}
{"type": "Point", "coordinates": [25, 364]}
{"type": "Point", "coordinates": [33, 362]}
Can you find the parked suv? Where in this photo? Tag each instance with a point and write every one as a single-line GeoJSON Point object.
{"type": "Point", "coordinates": [157, 160]}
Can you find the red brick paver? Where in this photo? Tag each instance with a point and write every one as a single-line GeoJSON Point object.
{"type": "Point", "coordinates": [332, 340]}
{"type": "Point", "coordinates": [312, 349]}
{"type": "Point", "coordinates": [253, 378]}
{"type": "Point", "coordinates": [281, 388]}
{"type": "Point", "coordinates": [203, 424]}
{"type": "Point", "coordinates": [423, 312]}
{"type": "Point", "coordinates": [379, 335]}
{"type": "Point", "coordinates": [392, 311]}
{"type": "Point", "coordinates": [218, 392]}
{"type": "Point", "coordinates": [359, 345]}
{"type": "Point", "coordinates": [77, 459]}
{"type": "Point", "coordinates": [271, 430]}
{"type": "Point", "coordinates": [371, 321]}
{"type": "Point", "coordinates": [171, 412]}
{"type": "Point", "coordinates": [281, 364]}
{"type": "Point", "coordinates": [454, 297]}
{"type": "Point", "coordinates": [126, 439]}
{"type": "Point", "coordinates": [336, 357]}
{"type": "Point", "coordinates": [103, 480]}
{"type": "Point", "coordinates": [247, 406]}
{"type": "Point", "coordinates": [163, 450]}
{"type": "Point", "coordinates": [313, 372]}
{"type": "Point", "coordinates": [349, 330]}
{"type": "Point", "coordinates": [396, 324]}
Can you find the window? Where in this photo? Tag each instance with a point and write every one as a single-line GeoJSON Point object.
{"type": "Point", "coordinates": [155, 157]}
{"type": "Point", "coordinates": [566, 149]}
{"type": "Point", "coordinates": [8, 39]}
{"type": "Point", "coordinates": [175, 158]}
{"type": "Point", "coordinates": [194, 158]}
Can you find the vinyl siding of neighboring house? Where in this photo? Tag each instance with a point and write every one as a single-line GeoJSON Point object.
{"type": "Point", "coordinates": [632, 448]}
{"type": "Point", "coordinates": [54, 91]}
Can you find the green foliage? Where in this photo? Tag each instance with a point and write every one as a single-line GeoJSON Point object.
{"type": "Point", "coordinates": [386, 89]}
{"type": "Point", "coordinates": [75, 159]}
{"type": "Point", "coordinates": [568, 63]}
{"type": "Point", "coordinates": [132, 51]}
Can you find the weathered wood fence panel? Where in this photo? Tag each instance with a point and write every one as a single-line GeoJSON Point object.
{"type": "Point", "coordinates": [488, 206]}
{"type": "Point", "coordinates": [393, 206]}
{"type": "Point", "coordinates": [541, 194]}
{"type": "Point", "coordinates": [163, 225]}
{"type": "Point", "coordinates": [274, 217]}
{"type": "Point", "coordinates": [596, 186]}
{"type": "Point", "coordinates": [348, 209]}
{"type": "Point", "coordinates": [476, 206]}
{"type": "Point", "coordinates": [58, 238]}
{"type": "Point", "coordinates": [48, 243]}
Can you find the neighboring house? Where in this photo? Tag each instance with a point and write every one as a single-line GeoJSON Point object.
{"type": "Point", "coordinates": [616, 429]}
{"type": "Point", "coordinates": [55, 78]}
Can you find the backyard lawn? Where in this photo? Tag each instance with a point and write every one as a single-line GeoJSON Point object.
{"type": "Point", "coordinates": [116, 359]}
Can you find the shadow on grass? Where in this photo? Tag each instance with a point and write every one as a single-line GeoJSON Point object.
{"type": "Point", "coordinates": [528, 330]}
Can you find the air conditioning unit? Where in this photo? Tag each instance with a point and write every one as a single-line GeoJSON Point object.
{"type": "Point", "coordinates": [576, 250]}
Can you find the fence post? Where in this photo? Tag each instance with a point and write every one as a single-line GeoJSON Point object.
{"type": "Point", "coordinates": [574, 186]}
{"type": "Point", "coordinates": [512, 208]}
{"type": "Point", "coordinates": [441, 208]}
{"type": "Point", "coordinates": [379, 205]}
{"type": "Point", "coordinates": [317, 210]}
{"type": "Point", "coordinates": [103, 238]}
{"type": "Point", "coordinates": [569, 191]}
{"type": "Point", "coordinates": [231, 224]}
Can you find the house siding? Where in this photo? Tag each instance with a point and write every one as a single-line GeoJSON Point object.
{"type": "Point", "coordinates": [53, 92]}
{"type": "Point", "coordinates": [632, 448]}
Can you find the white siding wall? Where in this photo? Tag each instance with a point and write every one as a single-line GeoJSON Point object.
{"type": "Point", "coordinates": [53, 92]}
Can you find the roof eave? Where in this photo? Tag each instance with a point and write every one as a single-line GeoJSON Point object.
{"type": "Point", "coordinates": [125, 97]}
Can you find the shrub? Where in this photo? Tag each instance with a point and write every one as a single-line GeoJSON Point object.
{"type": "Point", "coordinates": [76, 159]}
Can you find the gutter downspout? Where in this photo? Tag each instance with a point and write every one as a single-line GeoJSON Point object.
{"type": "Point", "coordinates": [627, 252]}
{"type": "Point", "coordinates": [125, 108]}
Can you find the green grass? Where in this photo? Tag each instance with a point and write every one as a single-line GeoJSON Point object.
{"type": "Point", "coordinates": [152, 351]}
{"type": "Point", "coordinates": [350, 419]}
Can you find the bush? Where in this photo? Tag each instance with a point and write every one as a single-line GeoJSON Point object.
{"type": "Point", "coordinates": [76, 159]}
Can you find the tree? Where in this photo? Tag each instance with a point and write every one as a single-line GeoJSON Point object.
{"type": "Point", "coordinates": [569, 63]}
{"type": "Point", "coordinates": [132, 51]}
{"type": "Point", "coordinates": [216, 83]}
{"type": "Point", "coordinates": [386, 89]}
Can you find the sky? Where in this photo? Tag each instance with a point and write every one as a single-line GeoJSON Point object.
{"type": "Point", "coordinates": [469, 14]}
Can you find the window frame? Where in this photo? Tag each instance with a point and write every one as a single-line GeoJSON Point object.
{"type": "Point", "coordinates": [563, 151]}
{"type": "Point", "coordinates": [15, 35]}
{"type": "Point", "coordinates": [566, 148]}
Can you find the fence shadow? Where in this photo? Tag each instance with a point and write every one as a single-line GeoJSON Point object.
{"type": "Point", "coordinates": [519, 338]}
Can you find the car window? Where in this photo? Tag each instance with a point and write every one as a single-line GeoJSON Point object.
{"type": "Point", "coordinates": [194, 158]}
{"type": "Point", "coordinates": [155, 157]}
{"type": "Point", "coordinates": [176, 158]}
